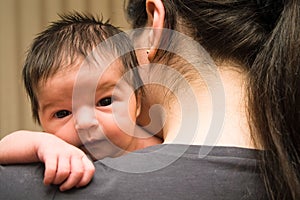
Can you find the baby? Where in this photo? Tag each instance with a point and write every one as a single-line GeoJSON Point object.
{"type": "Point", "coordinates": [82, 79]}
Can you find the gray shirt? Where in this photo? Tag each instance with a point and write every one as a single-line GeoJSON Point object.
{"type": "Point", "coordinates": [158, 172]}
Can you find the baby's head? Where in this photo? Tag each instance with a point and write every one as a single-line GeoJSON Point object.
{"type": "Point", "coordinates": [71, 40]}
{"type": "Point", "coordinates": [62, 66]}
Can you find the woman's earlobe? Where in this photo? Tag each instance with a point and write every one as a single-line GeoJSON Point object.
{"type": "Point", "coordinates": [138, 104]}
{"type": "Point", "coordinates": [151, 53]}
{"type": "Point", "coordinates": [153, 44]}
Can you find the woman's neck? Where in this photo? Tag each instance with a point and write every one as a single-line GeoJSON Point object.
{"type": "Point", "coordinates": [224, 124]}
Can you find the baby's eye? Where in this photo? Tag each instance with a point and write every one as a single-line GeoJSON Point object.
{"type": "Point", "coordinates": [105, 101]}
{"type": "Point", "coordinates": [62, 113]}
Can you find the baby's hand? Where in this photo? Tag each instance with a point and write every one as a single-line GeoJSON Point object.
{"type": "Point", "coordinates": [65, 164]}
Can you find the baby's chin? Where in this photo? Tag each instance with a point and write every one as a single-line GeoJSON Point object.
{"type": "Point", "coordinates": [100, 150]}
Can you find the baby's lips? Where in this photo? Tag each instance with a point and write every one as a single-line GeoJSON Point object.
{"type": "Point", "coordinates": [91, 135]}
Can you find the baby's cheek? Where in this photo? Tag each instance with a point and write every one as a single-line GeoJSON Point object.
{"type": "Point", "coordinates": [119, 132]}
{"type": "Point", "coordinates": [112, 129]}
{"type": "Point", "coordinates": [68, 133]}
{"type": "Point", "coordinates": [124, 118]}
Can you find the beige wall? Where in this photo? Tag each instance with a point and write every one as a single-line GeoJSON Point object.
{"type": "Point", "coordinates": [20, 21]}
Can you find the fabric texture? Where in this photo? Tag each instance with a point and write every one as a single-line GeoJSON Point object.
{"type": "Point", "coordinates": [222, 173]}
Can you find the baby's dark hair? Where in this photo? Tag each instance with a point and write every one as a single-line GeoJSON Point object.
{"type": "Point", "coordinates": [73, 35]}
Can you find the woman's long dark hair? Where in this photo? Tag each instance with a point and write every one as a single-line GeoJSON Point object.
{"type": "Point", "coordinates": [264, 37]}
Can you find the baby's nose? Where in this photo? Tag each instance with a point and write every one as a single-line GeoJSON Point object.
{"type": "Point", "coordinates": [86, 124]}
{"type": "Point", "coordinates": [85, 119]}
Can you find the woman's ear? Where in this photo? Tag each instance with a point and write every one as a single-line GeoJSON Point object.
{"type": "Point", "coordinates": [156, 16]}
{"type": "Point", "coordinates": [138, 103]}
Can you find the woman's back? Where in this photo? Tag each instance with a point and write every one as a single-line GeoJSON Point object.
{"type": "Point", "coordinates": [263, 39]}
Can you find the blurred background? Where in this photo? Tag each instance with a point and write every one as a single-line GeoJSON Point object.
{"type": "Point", "coordinates": [20, 21]}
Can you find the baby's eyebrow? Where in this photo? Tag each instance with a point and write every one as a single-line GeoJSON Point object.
{"type": "Point", "coordinates": [52, 104]}
{"type": "Point", "coordinates": [46, 106]}
{"type": "Point", "coordinates": [106, 86]}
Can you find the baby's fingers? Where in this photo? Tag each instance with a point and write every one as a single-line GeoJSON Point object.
{"type": "Point", "coordinates": [75, 175]}
{"type": "Point", "coordinates": [89, 170]}
{"type": "Point", "coordinates": [63, 170]}
{"type": "Point", "coordinates": [50, 169]}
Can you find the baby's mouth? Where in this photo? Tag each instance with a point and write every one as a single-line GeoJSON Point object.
{"type": "Point", "coordinates": [99, 149]}
{"type": "Point", "coordinates": [91, 135]}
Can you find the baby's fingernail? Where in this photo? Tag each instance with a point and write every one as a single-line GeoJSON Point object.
{"type": "Point", "coordinates": [46, 183]}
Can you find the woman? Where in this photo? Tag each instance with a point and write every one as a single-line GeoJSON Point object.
{"type": "Point", "coordinates": [255, 48]}
{"type": "Point", "coordinates": [255, 43]}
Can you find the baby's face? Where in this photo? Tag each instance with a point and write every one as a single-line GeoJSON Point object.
{"type": "Point", "coordinates": [97, 115]}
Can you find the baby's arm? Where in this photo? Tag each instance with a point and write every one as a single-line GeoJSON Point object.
{"type": "Point", "coordinates": [64, 163]}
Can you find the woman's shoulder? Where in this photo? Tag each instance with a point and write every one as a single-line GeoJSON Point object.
{"type": "Point", "coordinates": [158, 172]}
{"type": "Point", "coordinates": [184, 172]}
{"type": "Point", "coordinates": [24, 181]}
